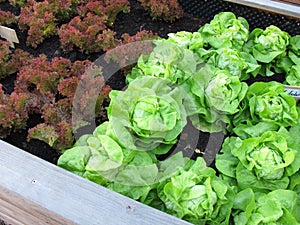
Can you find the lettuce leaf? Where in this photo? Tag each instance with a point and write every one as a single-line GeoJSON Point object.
{"type": "Point", "coordinates": [211, 97]}
{"type": "Point", "coordinates": [276, 207]}
{"type": "Point", "coordinates": [167, 60]}
{"type": "Point", "coordinates": [262, 163]}
{"type": "Point", "coordinates": [266, 45]}
{"type": "Point", "coordinates": [149, 115]}
{"type": "Point", "coordinates": [225, 30]}
{"type": "Point", "coordinates": [197, 195]}
{"type": "Point", "coordinates": [265, 102]}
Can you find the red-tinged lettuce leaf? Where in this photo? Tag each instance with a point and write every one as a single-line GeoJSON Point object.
{"type": "Point", "coordinates": [43, 132]}
{"type": "Point", "coordinates": [59, 136]}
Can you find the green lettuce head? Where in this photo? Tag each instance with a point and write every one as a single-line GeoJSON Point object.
{"type": "Point", "coordinates": [94, 158]}
{"type": "Point", "coordinates": [195, 194]}
{"type": "Point", "coordinates": [189, 40]}
{"type": "Point", "coordinates": [224, 92]}
{"type": "Point", "coordinates": [240, 64]}
{"type": "Point", "coordinates": [212, 97]}
{"type": "Point", "coordinates": [294, 49]}
{"type": "Point", "coordinates": [167, 60]}
{"type": "Point", "coordinates": [99, 158]}
{"type": "Point", "coordinates": [148, 115]}
{"type": "Point", "coordinates": [266, 106]}
{"type": "Point", "coordinates": [293, 75]}
{"type": "Point", "coordinates": [290, 63]}
{"type": "Point", "coordinates": [225, 30]}
{"type": "Point", "coordinates": [263, 163]}
{"type": "Point", "coordinates": [276, 207]}
{"type": "Point", "coordinates": [268, 44]}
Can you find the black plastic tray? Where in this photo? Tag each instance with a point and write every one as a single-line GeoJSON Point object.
{"type": "Point", "coordinates": [206, 9]}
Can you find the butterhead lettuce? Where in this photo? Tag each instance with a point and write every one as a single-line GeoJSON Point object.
{"type": "Point", "coordinates": [266, 45]}
{"type": "Point", "coordinates": [225, 30]}
{"type": "Point", "coordinates": [293, 75]}
{"type": "Point", "coordinates": [211, 97]}
{"type": "Point", "coordinates": [197, 195]}
{"type": "Point", "coordinates": [240, 64]}
{"type": "Point", "coordinates": [167, 60]}
{"type": "Point", "coordinates": [276, 207]}
{"type": "Point", "coordinates": [264, 163]}
{"type": "Point", "coordinates": [149, 115]}
{"type": "Point", "coordinates": [266, 106]}
{"type": "Point", "coordinates": [294, 49]}
{"type": "Point", "coordinates": [189, 40]}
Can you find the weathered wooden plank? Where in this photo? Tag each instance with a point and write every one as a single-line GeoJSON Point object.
{"type": "Point", "coordinates": [17, 211]}
{"type": "Point", "coordinates": [292, 1]}
{"type": "Point", "coordinates": [54, 191]}
{"type": "Point", "coordinates": [282, 8]}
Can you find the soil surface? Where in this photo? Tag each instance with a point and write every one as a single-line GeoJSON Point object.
{"type": "Point", "coordinates": [136, 20]}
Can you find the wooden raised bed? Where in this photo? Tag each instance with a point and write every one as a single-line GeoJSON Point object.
{"type": "Point", "coordinates": [275, 6]}
{"type": "Point", "coordinates": [33, 191]}
{"type": "Point", "coordinates": [293, 1]}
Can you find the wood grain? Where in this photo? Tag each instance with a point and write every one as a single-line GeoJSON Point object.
{"type": "Point", "coordinates": [279, 7]}
{"type": "Point", "coordinates": [292, 1]}
{"type": "Point", "coordinates": [34, 190]}
{"type": "Point", "coordinates": [17, 210]}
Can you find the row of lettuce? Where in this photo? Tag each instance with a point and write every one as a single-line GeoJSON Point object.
{"type": "Point", "coordinates": [201, 76]}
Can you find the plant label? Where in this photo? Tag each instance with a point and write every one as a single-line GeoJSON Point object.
{"type": "Point", "coordinates": [9, 34]}
{"type": "Point", "coordinates": [293, 91]}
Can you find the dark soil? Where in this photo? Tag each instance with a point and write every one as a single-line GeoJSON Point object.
{"type": "Point", "coordinates": [136, 20]}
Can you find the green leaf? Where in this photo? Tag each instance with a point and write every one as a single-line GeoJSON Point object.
{"type": "Point", "coordinates": [266, 45]}
{"type": "Point", "coordinates": [225, 30]}
{"type": "Point", "coordinates": [293, 75]}
{"type": "Point", "coordinates": [245, 201]}
{"type": "Point", "coordinates": [75, 159]}
{"type": "Point", "coordinates": [148, 115]}
{"type": "Point", "coordinates": [295, 45]}
{"type": "Point", "coordinates": [267, 102]}
{"type": "Point", "coordinates": [195, 194]}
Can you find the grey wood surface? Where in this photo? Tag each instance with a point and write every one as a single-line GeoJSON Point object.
{"type": "Point", "coordinates": [279, 7]}
{"type": "Point", "coordinates": [50, 191]}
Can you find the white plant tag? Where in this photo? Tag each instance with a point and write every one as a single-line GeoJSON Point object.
{"type": "Point", "coordinates": [293, 91]}
{"type": "Point", "coordinates": [9, 34]}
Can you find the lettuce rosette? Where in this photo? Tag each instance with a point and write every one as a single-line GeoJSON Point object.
{"type": "Point", "coordinates": [291, 64]}
{"type": "Point", "coordinates": [212, 97]}
{"type": "Point", "coordinates": [276, 207]}
{"type": "Point", "coordinates": [266, 45]}
{"type": "Point", "coordinates": [264, 163]}
{"type": "Point", "coordinates": [188, 40]}
{"type": "Point", "coordinates": [293, 75]}
{"type": "Point", "coordinates": [266, 106]}
{"type": "Point", "coordinates": [294, 49]}
{"type": "Point", "coordinates": [99, 158]}
{"type": "Point", "coordinates": [149, 115]}
{"type": "Point", "coordinates": [225, 30]}
{"type": "Point", "coordinates": [290, 61]}
{"type": "Point", "coordinates": [194, 193]}
{"type": "Point", "coordinates": [167, 60]}
{"type": "Point", "coordinates": [240, 64]}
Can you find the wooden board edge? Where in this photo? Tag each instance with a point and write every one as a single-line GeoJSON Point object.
{"type": "Point", "coordinates": [17, 211]}
{"type": "Point", "coordinates": [56, 191]}
{"type": "Point", "coordinates": [290, 1]}
{"type": "Point", "coordinates": [282, 8]}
